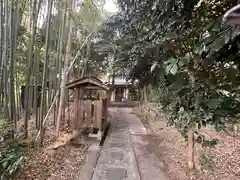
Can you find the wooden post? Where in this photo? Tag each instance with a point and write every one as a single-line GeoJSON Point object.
{"type": "Point", "coordinates": [89, 113]}
{"type": "Point", "coordinates": [127, 93]}
{"type": "Point", "coordinates": [98, 117]}
{"type": "Point", "coordinates": [95, 114]}
{"type": "Point", "coordinates": [75, 123]}
{"type": "Point", "coordinates": [104, 108]}
{"type": "Point", "coordinates": [107, 103]}
{"type": "Point", "coordinates": [81, 114]}
{"type": "Point", "coordinates": [105, 113]}
{"type": "Point", "coordinates": [113, 98]}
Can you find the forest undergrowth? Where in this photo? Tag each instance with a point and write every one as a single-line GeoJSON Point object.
{"type": "Point", "coordinates": [58, 158]}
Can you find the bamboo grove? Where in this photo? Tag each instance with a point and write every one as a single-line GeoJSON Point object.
{"type": "Point", "coordinates": [43, 44]}
{"type": "Point", "coordinates": [182, 55]}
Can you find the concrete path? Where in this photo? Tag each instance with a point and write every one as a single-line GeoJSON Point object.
{"type": "Point", "coordinates": [125, 155]}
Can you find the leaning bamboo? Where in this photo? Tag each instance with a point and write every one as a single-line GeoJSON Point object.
{"type": "Point", "coordinates": [68, 71]}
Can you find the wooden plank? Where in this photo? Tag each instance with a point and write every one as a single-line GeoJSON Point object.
{"type": "Point", "coordinates": [104, 108]}
{"type": "Point", "coordinates": [107, 109]}
{"type": "Point", "coordinates": [97, 121]}
{"type": "Point", "coordinates": [75, 123]}
{"type": "Point", "coordinates": [88, 113]}
{"type": "Point", "coordinates": [99, 115]}
{"type": "Point", "coordinates": [80, 114]}
{"type": "Point", "coordinates": [95, 113]}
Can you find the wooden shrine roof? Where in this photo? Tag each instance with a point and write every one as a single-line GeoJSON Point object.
{"type": "Point", "coordinates": [90, 82]}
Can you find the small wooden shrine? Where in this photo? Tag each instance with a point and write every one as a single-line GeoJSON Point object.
{"type": "Point", "coordinates": [91, 106]}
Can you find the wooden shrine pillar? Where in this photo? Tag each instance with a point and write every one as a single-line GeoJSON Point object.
{"type": "Point", "coordinates": [113, 96]}
{"type": "Point", "coordinates": [98, 117]}
{"type": "Point", "coordinates": [89, 113]}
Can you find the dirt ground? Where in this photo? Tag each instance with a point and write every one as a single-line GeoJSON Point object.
{"type": "Point", "coordinates": [51, 163]}
{"type": "Point", "coordinates": [219, 163]}
{"type": "Point", "coordinates": [63, 163]}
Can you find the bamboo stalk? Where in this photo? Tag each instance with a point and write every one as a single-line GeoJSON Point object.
{"type": "Point", "coordinates": [68, 71]}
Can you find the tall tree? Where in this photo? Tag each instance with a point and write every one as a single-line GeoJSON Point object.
{"type": "Point", "coordinates": [44, 80]}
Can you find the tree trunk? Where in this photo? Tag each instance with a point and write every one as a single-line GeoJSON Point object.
{"type": "Point", "coordinates": [145, 98]}
{"type": "Point", "coordinates": [37, 71]}
{"type": "Point", "coordinates": [44, 83]}
{"type": "Point", "coordinates": [56, 62]}
{"type": "Point", "coordinates": [191, 148]}
{"type": "Point", "coordinates": [5, 60]}
{"type": "Point", "coordinates": [1, 60]}
{"type": "Point", "coordinates": [29, 69]}
{"type": "Point", "coordinates": [64, 80]}
{"type": "Point", "coordinates": [59, 57]}
{"type": "Point", "coordinates": [12, 109]}
{"type": "Point", "coordinates": [16, 25]}
{"type": "Point", "coordinates": [191, 126]}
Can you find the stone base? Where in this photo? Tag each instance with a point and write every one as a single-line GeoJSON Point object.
{"type": "Point", "coordinates": [98, 135]}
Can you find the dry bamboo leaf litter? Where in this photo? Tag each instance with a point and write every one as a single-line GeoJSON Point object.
{"type": "Point", "coordinates": [58, 160]}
